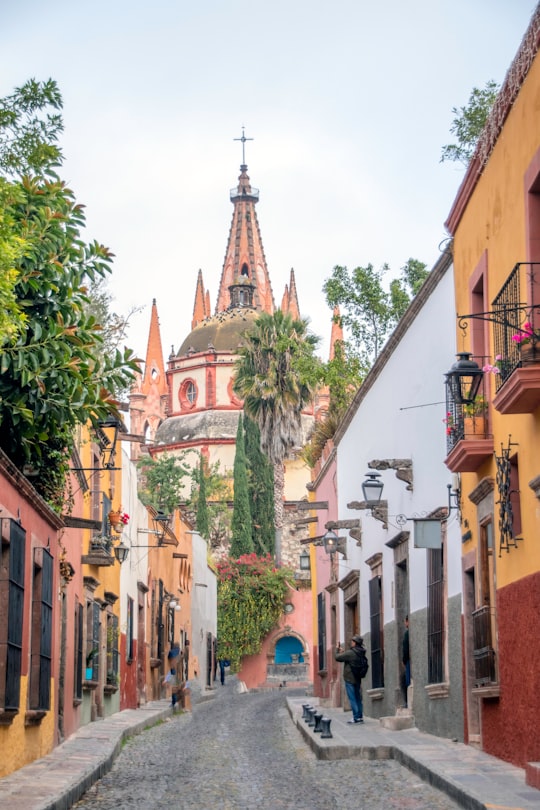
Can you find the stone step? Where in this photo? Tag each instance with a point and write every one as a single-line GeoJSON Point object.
{"type": "Point", "coordinates": [397, 722]}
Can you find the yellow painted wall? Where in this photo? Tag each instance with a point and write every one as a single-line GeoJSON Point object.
{"type": "Point", "coordinates": [494, 222]}
{"type": "Point", "coordinates": [20, 745]}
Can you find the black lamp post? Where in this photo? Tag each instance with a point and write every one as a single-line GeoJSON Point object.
{"type": "Point", "coordinates": [464, 379]}
{"type": "Point", "coordinates": [372, 489]}
{"type": "Point", "coordinates": [107, 435]}
{"type": "Point", "coordinates": [161, 522]}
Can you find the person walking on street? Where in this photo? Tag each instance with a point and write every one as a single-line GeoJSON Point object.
{"type": "Point", "coordinates": [355, 666]}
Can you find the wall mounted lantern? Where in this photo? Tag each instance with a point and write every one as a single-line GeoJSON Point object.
{"type": "Point", "coordinates": [464, 379]}
{"type": "Point", "coordinates": [330, 542]}
{"type": "Point", "coordinates": [372, 489]}
{"type": "Point", "coordinates": [304, 561]}
{"type": "Point", "coordinates": [120, 552]}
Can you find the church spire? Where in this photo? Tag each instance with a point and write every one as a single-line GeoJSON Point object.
{"type": "Point", "coordinates": [245, 253]}
{"type": "Point", "coordinates": [289, 302]}
{"type": "Point", "coordinates": [201, 308]}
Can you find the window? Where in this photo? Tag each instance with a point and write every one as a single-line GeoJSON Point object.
{"type": "Point", "coordinates": [41, 638]}
{"type": "Point", "coordinates": [483, 617]}
{"type": "Point", "coordinates": [12, 606]}
{"type": "Point", "coordinates": [188, 395]}
{"type": "Point", "coordinates": [129, 630]}
{"type": "Point", "coordinates": [78, 647]}
{"type": "Point", "coordinates": [112, 649]}
{"type": "Point", "coordinates": [93, 630]}
{"type": "Point", "coordinates": [321, 626]}
{"type": "Point", "coordinates": [376, 627]}
{"type": "Point", "coordinates": [435, 614]}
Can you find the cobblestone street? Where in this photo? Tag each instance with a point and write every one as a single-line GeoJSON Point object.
{"type": "Point", "coordinates": [239, 751]}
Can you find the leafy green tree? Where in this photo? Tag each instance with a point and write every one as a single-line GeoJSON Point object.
{"type": "Point", "coordinates": [404, 289]}
{"type": "Point", "coordinates": [276, 374]}
{"type": "Point", "coordinates": [241, 540]}
{"type": "Point", "coordinates": [218, 495]}
{"type": "Point", "coordinates": [52, 375]}
{"type": "Point", "coordinates": [468, 123]}
{"type": "Point", "coordinates": [261, 490]}
{"type": "Point", "coordinates": [202, 523]}
{"type": "Point", "coordinates": [162, 481]}
{"type": "Point", "coordinates": [12, 248]}
{"type": "Point", "coordinates": [365, 308]}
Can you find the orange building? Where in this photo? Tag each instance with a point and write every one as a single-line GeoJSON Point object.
{"type": "Point", "coordinates": [495, 225]}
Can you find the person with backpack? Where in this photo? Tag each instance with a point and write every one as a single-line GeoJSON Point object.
{"type": "Point", "coordinates": [355, 667]}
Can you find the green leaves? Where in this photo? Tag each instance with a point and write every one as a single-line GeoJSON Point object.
{"type": "Point", "coordinates": [469, 122]}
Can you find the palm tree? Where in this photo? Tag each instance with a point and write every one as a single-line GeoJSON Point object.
{"type": "Point", "coordinates": [276, 374]}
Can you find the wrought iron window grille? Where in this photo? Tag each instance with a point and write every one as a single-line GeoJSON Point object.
{"type": "Point", "coordinates": [507, 538]}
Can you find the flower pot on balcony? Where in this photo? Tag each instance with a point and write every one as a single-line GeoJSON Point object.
{"type": "Point", "coordinates": [474, 426]}
{"type": "Point", "coordinates": [529, 353]}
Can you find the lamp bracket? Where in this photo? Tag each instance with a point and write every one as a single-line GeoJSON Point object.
{"type": "Point", "coordinates": [379, 512]}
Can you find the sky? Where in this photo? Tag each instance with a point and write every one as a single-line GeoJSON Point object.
{"type": "Point", "coordinates": [348, 102]}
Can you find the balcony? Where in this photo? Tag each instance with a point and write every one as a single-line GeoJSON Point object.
{"type": "Point", "coordinates": [468, 440]}
{"type": "Point", "coordinates": [516, 342]}
{"type": "Point", "coordinates": [99, 552]}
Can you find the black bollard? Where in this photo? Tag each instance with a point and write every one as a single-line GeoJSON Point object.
{"type": "Point", "coordinates": [318, 717]}
{"type": "Point", "coordinates": [325, 728]}
{"type": "Point", "coordinates": [305, 707]}
{"type": "Point", "coordinates": [311, 711]}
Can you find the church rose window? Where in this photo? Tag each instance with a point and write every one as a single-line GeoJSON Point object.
{"type": "Point", "coordinates": [188, 394]}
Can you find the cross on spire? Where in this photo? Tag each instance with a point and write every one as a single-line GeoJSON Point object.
{"type": "Point", "coordinates": [243, 139]}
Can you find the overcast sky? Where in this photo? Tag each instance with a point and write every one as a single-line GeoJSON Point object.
{"type": "Point", "coordinates": [349, 103]}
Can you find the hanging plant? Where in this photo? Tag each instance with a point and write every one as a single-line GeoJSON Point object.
{"type": "Point", "coordinates": [251, 595]}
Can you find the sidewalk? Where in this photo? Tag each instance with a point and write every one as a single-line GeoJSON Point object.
{"type": "Point", "coordinates": [59, 779]}
{"type": "Point", "coordinates": [473, 779]}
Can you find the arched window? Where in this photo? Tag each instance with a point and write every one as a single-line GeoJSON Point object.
{"type": "Point", "coordinates": [188, 394]}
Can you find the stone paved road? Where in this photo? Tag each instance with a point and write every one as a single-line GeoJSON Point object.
{"type": "Point", "coordinates": [241, 751]}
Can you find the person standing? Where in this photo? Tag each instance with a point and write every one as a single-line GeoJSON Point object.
{"type": "Point", "coordinates": [171, 680]}
{"type": "Point", "coordinates": [354, 662]}
{"type": "Point", "coordinates": [406, 660]}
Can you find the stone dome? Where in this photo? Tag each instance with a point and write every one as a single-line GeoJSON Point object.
{"type": "Point", "coordinates": [222, 331]}
{"type": "Point", "coordinates": [191, 427]}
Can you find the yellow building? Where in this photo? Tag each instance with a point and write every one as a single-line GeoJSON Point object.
{"type": "Point", "coordinates": [493, 442]}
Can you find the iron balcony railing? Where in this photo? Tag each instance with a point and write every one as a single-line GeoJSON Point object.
{"type": "Point", "coordinates": [483, 621]}
{"type": "Point", "coordinates": [467, 421]}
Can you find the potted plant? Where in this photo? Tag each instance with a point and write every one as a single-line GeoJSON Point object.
{"type": "Point", "coordinates": [90, 663]}
{"type": "Point", "coordinates": [474, 416]}
{"type": "Point", "coordinates": [527, 339]}
{"type": "Point", "coordinates": [118, 519]}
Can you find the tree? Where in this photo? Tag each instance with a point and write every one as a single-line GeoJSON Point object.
{"type": "Point", "coordinates": [162, 481]}
{"type": "Point", "coordinates": [202, 523]}
{"type": "Point", "coordinates": [52, 375]}
{"type": "Point", "coordinates": [261, 490]}
{"type": "Point", "coordinates": [276, 374]}
{"type": "Point", "coordinates": [241, 540]}
{"type": "Point", "coordinates": [404, 289]}
{"type": "Point", "coordinates": [469, 122]}
{"type": "Point", "coordinates": [218, 494]}
{"type": "Point", "coordinates": [368, 311]}
{"type": "Point", "coordinates": [365, 307]}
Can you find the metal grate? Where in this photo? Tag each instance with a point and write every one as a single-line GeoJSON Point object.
{"type": "Point", "coordinates": [484, 654]}
{"type": "Point", "coordinates": [435, 617]}
{"type": "Point", "coordinates": [375, 610]}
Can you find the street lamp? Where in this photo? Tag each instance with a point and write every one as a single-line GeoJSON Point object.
{"type": "Point", "coordinates": [372, 489]}
{"type": "Point", "coordinates": [464, 379]}
{"type": "Point", "coordinates": [330, 542]}
{"type": "Point", "coordinates": [120, 552]}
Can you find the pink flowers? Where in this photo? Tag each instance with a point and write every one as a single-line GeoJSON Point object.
{"type": "Point", "coordinates": [489, 369]}
{"type": "Point", "coordinates": [525, 335]}
{"type": "Point", "coordinates": [124, 518]}
{"type": "Point", "coordinates": [449, 422]}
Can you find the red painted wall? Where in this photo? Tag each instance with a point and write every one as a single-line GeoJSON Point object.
{"type": "Point", "coordinates": [510, 724]}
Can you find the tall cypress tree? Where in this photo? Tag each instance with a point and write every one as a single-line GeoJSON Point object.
{"type": "Point", "coordinates": [241, 542]}
{"type": "Point", "coordinates": [203, 523]}
{"type": "Point", "coordinates": [261, 490]}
